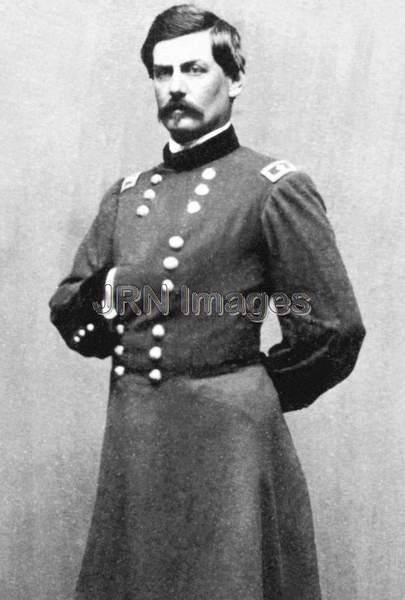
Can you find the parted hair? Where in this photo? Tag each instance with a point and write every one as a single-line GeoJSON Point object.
{"type": "Point", "coordinates": [184, 19]}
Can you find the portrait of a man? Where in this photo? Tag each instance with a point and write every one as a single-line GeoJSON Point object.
{"type": "Point", "coordinates": [201, 495]}
{"type": "Point", "coordinates": [202, 288]}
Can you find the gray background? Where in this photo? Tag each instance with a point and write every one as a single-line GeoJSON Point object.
{"type": "Point", "coordinates": [326, 91]}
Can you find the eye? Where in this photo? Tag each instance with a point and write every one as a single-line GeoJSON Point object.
{"type": "Point", "coordinates": [195, 69]}
{"type": "Point", "coordinates": [161, 72]}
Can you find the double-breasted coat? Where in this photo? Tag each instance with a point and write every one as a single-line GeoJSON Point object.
{"type": "Point", "coordinates": [200, 494]}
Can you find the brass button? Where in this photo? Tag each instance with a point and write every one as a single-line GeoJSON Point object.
{"type": "Point", "coordinates": [176, 242]}
{"type": "Point", "coordinates": [90, 327]}
{"type": "Point", "coordinates": [158, 331]}
{"type": "Point", "coordinates": [156, 178]}
{"type": "Point", "coordinates": [119, 370]}
{"type": "Point", "coordinates": [142, 210]}
{"type": "Point", "coordinates": [155, 375]}
{"type": "Point", "coordinates": [202, 189]}
{"type": "Point", "coordinates": [119, 350]}
{"type": "Point", "coordinates": [208, 173]}
{"type": "Point", "coordinates": [168, 284]}
{"type": "Point", "coordinates": [82, 332]}
{"type": "Point", "coordinates": [170, 263]}
{"type": "Point", "coordinates": [120, 328]}
{"type": "Point", "coordinates": [155, 353]}
{"type": "Point", "coordinates": [149, 194]}
{"type": "Point", "coordinates": [76, 339]}
{"type": "Point", "coordinates": [193, 207]}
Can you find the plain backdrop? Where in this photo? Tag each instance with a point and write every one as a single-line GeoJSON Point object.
{"type": "Point", "coordinates": [325, 90]}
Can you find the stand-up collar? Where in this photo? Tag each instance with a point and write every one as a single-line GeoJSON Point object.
{"type": "Point", "coordinates": [176, 147]}
{"type": "Point", "coordinates": [214, 148]}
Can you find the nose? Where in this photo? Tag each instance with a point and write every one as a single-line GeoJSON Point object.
{"type": "Point", "coordinates": [177, 85]}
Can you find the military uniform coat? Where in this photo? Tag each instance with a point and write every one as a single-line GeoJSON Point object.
{"type": "Point", "coordinates": [200, 494]}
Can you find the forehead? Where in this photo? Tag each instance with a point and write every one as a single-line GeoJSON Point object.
{"type": "Point", "coordinates": [194, 46]}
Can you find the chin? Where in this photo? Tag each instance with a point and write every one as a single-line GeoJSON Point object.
{"type": "Point", "coordinates": [182, 135]}
{"type": "Point", "coordinates": [184, 130]}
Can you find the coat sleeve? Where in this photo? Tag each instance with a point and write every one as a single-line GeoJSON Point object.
{"type": "Point", "coordinates": [73, 311]}
{"type": "Point", "coordinates": [321, 337]}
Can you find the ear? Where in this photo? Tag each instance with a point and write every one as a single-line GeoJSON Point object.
{"type": "Point", "coordinates": [236, 85]}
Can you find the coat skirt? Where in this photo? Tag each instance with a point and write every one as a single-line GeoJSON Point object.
{"type": "Point", "coordinates": [201, 495]}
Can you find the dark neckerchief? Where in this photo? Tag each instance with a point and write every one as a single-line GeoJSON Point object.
{"type": "Point", "coordinates": [214, 148]}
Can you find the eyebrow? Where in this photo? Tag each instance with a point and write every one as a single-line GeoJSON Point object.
{"type": "Point", "coordinates": [189, 63]}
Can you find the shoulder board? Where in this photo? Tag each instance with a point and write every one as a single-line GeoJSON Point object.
{"type": "Point", "coordinates": [129, 181]}
{"type": "Point", "coordinates": [277, 169]}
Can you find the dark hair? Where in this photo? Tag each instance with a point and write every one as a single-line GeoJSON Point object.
{"type": "Point", "coordinates": [184, 19]}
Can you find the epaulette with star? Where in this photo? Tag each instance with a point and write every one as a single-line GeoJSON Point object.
{"type": "Point", "coordinates": [277, 169]}
{"type": "Point", "coordinates": [129, 181]}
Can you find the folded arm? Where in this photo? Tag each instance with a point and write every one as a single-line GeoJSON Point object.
{"type": "Point", "coordinates": [318, 348]}
{"type": "Point", "coordinates": [74, 304]}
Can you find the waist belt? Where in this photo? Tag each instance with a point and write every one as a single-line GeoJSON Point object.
{"type": "Point", "coordinates": [160, 372]}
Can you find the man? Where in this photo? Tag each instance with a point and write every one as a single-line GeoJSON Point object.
{"type": "Point", "coordinates": [201, 495]}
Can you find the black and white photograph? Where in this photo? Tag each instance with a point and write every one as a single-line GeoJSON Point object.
{"type": "Point", "coordinates": [203, 278]}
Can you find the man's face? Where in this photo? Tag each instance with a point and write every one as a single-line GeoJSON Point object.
{"type": "Point", "coordinates": [193, 94]}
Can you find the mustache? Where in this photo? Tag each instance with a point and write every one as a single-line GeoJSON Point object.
{"type": "Point", "coordinates": [173, 105]}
